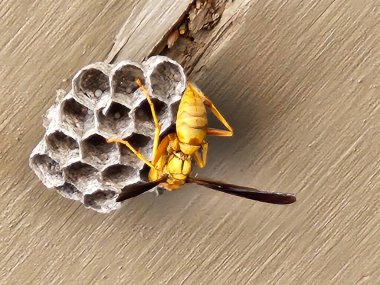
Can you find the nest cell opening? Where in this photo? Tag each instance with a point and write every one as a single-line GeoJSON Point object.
{"type": "Point", "coordinates": [96, 150]}
{"type": "Point", "coordinates": [118, 174]}
{"type": "Point", "coordinates": [115, 120]}
{"type": "Point", "coordinates": [141, 143]}
{"type": "Point", "coordinates": [138, 141]}
{"type": "Point", "coordinates": [144, 172]}
{"type": "Point", "coordinates": [75, 114]}
{"type": "Point", "coordinates": [165, 79]}
{"type": "Point", "coordinates": [93, 83]}
{"type": "Point", "coordinates": [47, 169]}
{"type": "Point", "coordinates": [99, 199]}
{"type": "Point", "coordinates": [80, 174]}
{"type": "Point", "coordinates": [61, 144]}
{"type": "Point", "coordinates": [174, 109]}
{"type": "Point", "coordinates": [124, 83]}
{"type": "Point", "coordinates": [124, 79]}
{"type": "Point", "coordinates": [143, 113]}
{"type": "Point", "coordinates": [68, 190]}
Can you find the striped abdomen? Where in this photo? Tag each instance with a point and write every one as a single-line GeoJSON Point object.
{"type": "Point", "coordinates": [191, 121]}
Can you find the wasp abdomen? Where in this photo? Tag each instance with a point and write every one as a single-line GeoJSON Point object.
{"type": "Point", "coordinates": [191, 121]}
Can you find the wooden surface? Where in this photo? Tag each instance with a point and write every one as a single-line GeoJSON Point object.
{"type": "Point", "coordinates": [300, 83]}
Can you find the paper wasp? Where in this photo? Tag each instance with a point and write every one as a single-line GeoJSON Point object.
{"type": "Point", "coordinates": [171, 162]}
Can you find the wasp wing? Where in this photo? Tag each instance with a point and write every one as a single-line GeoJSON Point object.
{"type": "Point", "coordinates": [246, 192]}
{"type": "Point", "coordinates": [137, 189]}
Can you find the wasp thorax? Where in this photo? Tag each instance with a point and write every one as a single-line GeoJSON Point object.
{"type": "Point", "coordinates": [179, 165]}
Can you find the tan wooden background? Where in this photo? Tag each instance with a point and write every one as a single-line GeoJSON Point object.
{"type": "Point", "coordinates": [300, 83]}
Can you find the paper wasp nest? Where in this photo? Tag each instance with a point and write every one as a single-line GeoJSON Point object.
{"type": "Point", "coordinates": [74, 157]}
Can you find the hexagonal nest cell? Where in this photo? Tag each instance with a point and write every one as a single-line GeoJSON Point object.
{"type": "Point", "coordinates": [74, 157]}
{"type": "Point", "coordinates": [96, 151]}
{"type": "Point", "coordinates": [48, 170]}
{"type": "Point", "coordinates": [92, 83]}
{"type": "Point", "coordinates": [144, 172]}
{"type": "Point", "coordinates": [69, 191]}
{"type": "Point", "coordinates": [62, 146]}
{"type": "Point", "coordinates": [124, 83]}
{"type": "Point", "coordinates": [140, 142]}
{"type": "Point", "coordinates": [143, 114]}
{"type": "Point", "coordinates": [81, 175]}
{"type": "Point", "coordinates": [119, 175]}
{"type": "Point", "coordinates": [165, 80]}
{"type": "Point", "coordinates": [116, 119]}
{"type": "Point", "coordinates": [101, 200]}
{"type": "Point", "coordinates": [76, 117]}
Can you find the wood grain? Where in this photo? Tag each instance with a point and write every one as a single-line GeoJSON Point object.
{"type": "Point", "coordinates": [299, 82]}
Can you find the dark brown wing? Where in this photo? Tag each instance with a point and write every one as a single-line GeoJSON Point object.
{"type": "Point", "coordinates": [137, 189]}
{"type": "Point", "coordinates": [246, 192]}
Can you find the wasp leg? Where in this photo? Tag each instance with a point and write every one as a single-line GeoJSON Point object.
{"type": "Point", "coordinates": [217, 132]}
{"type": "Point", "coordinates": [201, 160]}
{"type": "Point", "coordinates": [208, 103]}
{"type": "Point", "coordinates": [157, 127]}
{"type": "Point", "coordinates": [161, 149]}
{"type": "Point", "coordinates": [136, 152]}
